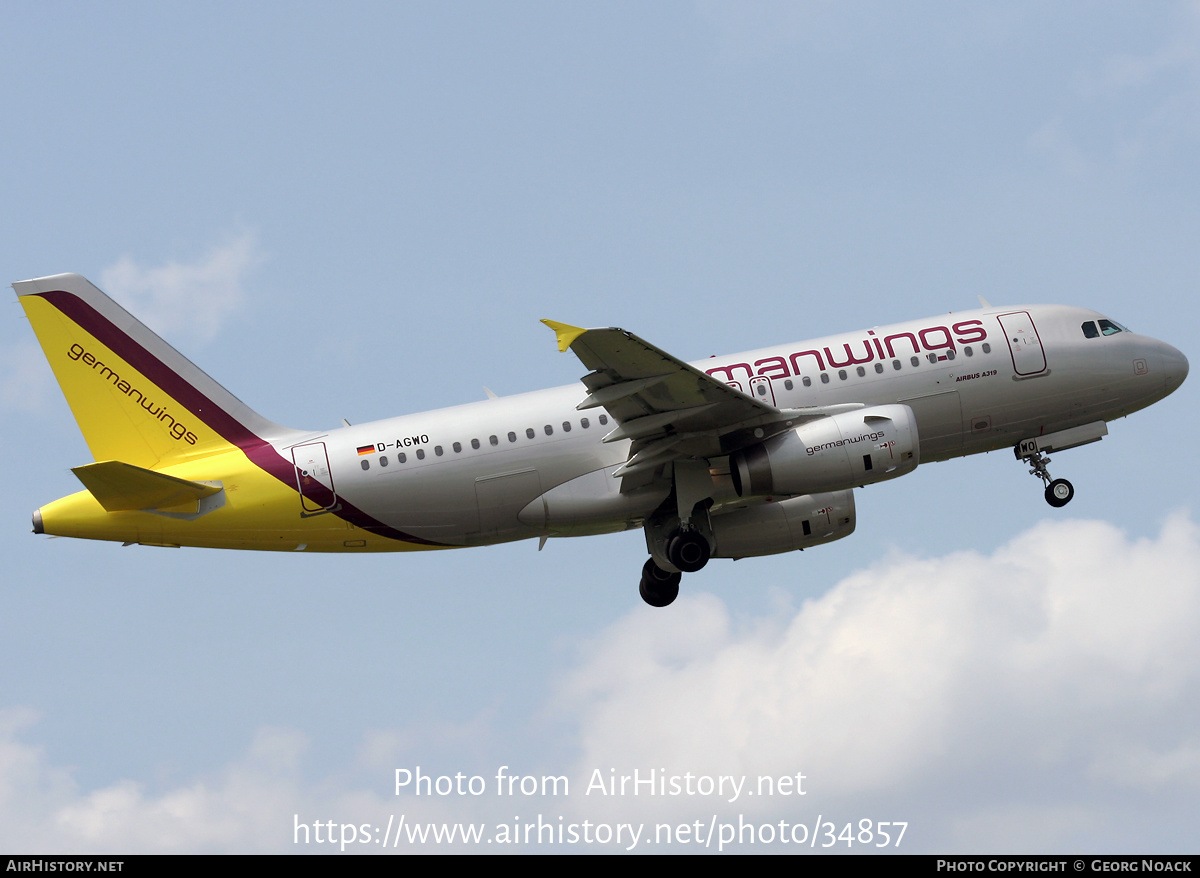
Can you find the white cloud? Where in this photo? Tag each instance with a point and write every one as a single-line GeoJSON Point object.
{"type": "Point", "coordinates": [242, 808]}
{"type": "Point", "coordinates": [1043, 697]}
{"type": "Point", "coordinates": [1059, 675]}
{"type": "Point", "coordinates": [171, 299]}
{"type": "Point", "coordinates": [195, 297]}
{"type": "Point", "coordinates": [251, 805]}
{"type": "Point", "coordinates": [29, 787]}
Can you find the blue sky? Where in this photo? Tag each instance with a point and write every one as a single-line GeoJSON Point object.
{"type": "Point", "coordinates": [364, 212]}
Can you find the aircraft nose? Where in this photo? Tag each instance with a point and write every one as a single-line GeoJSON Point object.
{"type": "Point", "coordinates": [1175, 367]}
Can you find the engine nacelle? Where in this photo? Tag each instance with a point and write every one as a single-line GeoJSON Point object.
{"type": "Point", "coordinates": [828, 454]}
{"type": "Point", "coordinates": [794, 523]}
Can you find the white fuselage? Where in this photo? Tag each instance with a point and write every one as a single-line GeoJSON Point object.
{"type": "Point", "coordinates": [976, 381]}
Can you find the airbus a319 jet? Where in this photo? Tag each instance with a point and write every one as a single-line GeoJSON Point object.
{"type": "Point", "coordinates": [732, 457]}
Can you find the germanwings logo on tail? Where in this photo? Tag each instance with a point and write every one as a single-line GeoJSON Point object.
{"type": "Point", "coordinates": [177, 430]}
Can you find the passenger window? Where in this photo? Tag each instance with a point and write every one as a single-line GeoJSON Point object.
{"type": "Point", "coordinates": [787, 385]}
{"type": "Point", "coordinates": [493, 439]}
{"type": "Point", "coordinates": [420, 454]}
{"type": "Point", "coordinates": [529, 434]}
{"type": "Point", "coordinates": [967, 350]}
{"type": "Point", "coordinates": [457, 447]}
{"type": "Point", "coordinates": [512, 437]}
{"type": "Point", "coordinates": [366, 465]}
{"type": "Point", "coordinates": [761, 389]}
{"type": "Point", "coordinates": [402, 457]}
{"type": "Point", "coordinates": [879, 368]}
{"type": "Point", "coordinates": [603, 420]}
{"type": "Point", "coordinates": [987, 348]}
{"type": "Point", "coordinates": [807, 381]}
{"type": "Point", "coordinates": [915, 361]}
{"type": "Point", "coordinates": [824, 377]}
{"type": "Point", "coordinates": [549, 430]}
{"type": "Point", "coordinates": [383, 460]}
{"type": "Point", "coordinates": [585, 423]}
{"type": "Point", "coordinates": [932, 358]}
{"type": "Point", "coordinates": [566, 426]}
{"type": "Point", "coordinates": [475, 444]}
{"type": "Point", "coordinates": [950, 354]}
{"type": "Point", "coordinates": [861, 372]}
{"type": "Point", "coordinates": [896, 365]}
{"type": "Point", "coordinates": [437, 449]}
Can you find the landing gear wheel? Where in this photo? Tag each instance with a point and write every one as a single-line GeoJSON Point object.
{"type": "Point", "coordinates": [658, 587]}
{"type": "Point", "coordinates": [1059, 493]}
{"type": "Point", "coordinates": [688, 551]}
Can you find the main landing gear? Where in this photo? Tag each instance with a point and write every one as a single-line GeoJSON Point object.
{"type": "Point", "coordinates": [1058, 491]}
{"type": "Point", "coordinates": [678, 534]}
{"type": "Point", "coordinates": [687, 551]}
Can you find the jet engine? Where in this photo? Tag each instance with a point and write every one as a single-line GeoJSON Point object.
{"type": "Point", "coordinates": [794, 523]}
{"type": "Point", "coordinates": [828, 454]}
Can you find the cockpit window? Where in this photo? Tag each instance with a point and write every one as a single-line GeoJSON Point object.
{"type": "Point", "coordinates": [1089, 330]}
{"type": "Point", "coordinates": [1111, 327]}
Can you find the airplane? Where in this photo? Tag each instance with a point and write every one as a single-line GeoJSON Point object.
{"type": "Point", "coordinates": [731, 457]}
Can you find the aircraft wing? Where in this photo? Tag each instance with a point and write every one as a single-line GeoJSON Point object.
{"type": "Point", "coordinates": [669, 409]}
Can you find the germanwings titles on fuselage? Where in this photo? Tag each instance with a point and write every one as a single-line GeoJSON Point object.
{"type": "Point", "coordinates": [731, 457]}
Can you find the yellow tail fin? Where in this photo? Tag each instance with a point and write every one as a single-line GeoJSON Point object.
{"type": "Point", "coordinates": [136, 398]}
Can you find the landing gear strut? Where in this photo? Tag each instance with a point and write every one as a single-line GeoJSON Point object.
{"type": "Point", "coordinates": [1058, 491]}
{"type": "Point", "coordinates": [676, 547]}
{"type": "Point", "coordinates": [658, 587]}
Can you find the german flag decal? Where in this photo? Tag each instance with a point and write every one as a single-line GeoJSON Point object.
{"type": "Point", "coordinates": [365, 449]}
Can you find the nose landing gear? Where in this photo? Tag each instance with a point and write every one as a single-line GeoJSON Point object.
{"type": "Point", "coordinates": [1058, 491]}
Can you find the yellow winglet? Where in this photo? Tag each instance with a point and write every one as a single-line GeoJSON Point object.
{"type": "Point", "coordinates": [566, 333]}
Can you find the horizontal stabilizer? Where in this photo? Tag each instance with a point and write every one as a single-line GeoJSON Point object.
{"type": "Point", "coordinates": [122, 486]}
